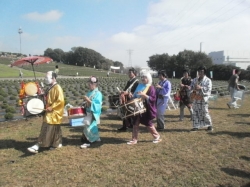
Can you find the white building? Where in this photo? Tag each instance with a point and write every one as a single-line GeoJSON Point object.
{"type": "Point", "coordinates": [240, 59]}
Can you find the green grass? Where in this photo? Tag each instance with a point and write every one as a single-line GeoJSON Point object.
{"type": "Point", "coordinates": [8, 72]}
{"type": "Point", "coordinates": [221, 158]}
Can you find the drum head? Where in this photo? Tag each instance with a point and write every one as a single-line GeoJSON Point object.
{"type": "Point", "coordinates": [31, 88]}
{"type": "Point", "coordinates": [35, 106]}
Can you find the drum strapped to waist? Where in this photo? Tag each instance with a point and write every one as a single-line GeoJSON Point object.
{"type": "Point", "coordinates": [114, 101]}
{"type": "Point", "coordinates": [76, 112]}
{"type": "Point", "coordinates": [132, 108]}
{"type": "Point", "coordinates": [31, 89]}
{"type": "Point", "coordinates": [33, 106]}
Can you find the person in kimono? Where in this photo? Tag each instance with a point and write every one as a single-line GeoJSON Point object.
{"type": "Point", "coordinates": [51, 133]}
{"type": "Point", "coordinates": [128, 91]}
{"type": "Point", "coordinates": [185, 94]}
{"type": "Point", "coordinates": [163, 91]}
{"type": "Point", "coordinates": [93, 105]}
{"type": "Point", "coordinates": [233, 87]}
{"type": "Point", "coordinates": [146, 91]}
{"type": "Point", "coordinates": [201, 88]}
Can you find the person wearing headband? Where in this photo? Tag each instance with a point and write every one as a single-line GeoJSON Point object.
{"type": "Point", "coordinates": [201, 87]}
{"type": "Point", "coordinates": [51, 133]}
{"type": "Point", "coordinates": [128, 93]}
{"type": "Point", "coordinates": [146, 91]}
{"type": "Point", "coordinates": [93, 100]}
{"type": "Point", "coordinates": [163, 90]}
{"type": "Point", "coordinates": [185, 94]}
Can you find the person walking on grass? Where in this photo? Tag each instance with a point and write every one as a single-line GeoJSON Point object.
{"type": "Point", "coordinates": [163, 91]}
{"type": "Point", "coordinates": [51, 133]}
{"type": "Point", "coordinates": [233, 87]}
{"type": "Point", "coordinates": [185, 94]}
{"type": "Point", "coordinates": [201, 88]}
{"type": "Point", "coordinates": [93, 105]}
{"type": "Point", "coordinates": [146, 91]}
{"type": "Point", "coordinates": [128, 93]}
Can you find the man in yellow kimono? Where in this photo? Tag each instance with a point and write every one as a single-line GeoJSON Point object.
{"type": "Point", "coordinates": [51, 134]}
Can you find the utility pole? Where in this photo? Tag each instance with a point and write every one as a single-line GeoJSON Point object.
{"type": "Point", "coordinates": [201, 46]}
{"type": "Point", "coordinates": [20, 32]}
{"type": "Point", "coordinates": [130, 61]}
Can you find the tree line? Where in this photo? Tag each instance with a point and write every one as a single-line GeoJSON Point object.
{"type": "Point", "coordinates": [173, 65]}
{"type": "Point", "coordinates": [191, 61]}
{"type": "Point", "coordinates": [80, 56]}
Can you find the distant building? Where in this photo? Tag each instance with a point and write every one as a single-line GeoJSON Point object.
{"type": "Point", "coordinates": [236, 58]}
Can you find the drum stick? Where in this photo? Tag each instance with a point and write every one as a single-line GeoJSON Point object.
{"type": "Point", "coordinates": [118, 89]}
{"type": "Point", "coordinates": [39, 108]}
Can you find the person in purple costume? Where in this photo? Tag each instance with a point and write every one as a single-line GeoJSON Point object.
{"type": "Point", "coordinates": [146, 91]}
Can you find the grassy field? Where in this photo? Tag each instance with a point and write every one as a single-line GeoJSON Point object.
{"type": "Point", "coordinates": [183, 158]}
{"type": "Point", "coordinates": [64, 70]}
{"type": "Point", "coordinates": [8, 72]}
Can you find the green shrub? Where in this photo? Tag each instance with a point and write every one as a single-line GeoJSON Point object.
{"type": "Point", "coordinates": [8, 116]}
{"type": "Point", "coordinates": [10, 109]}
{"type": "Point", "coordinates": [12, 97]}
{"type": "Point", "coordinates": [1, 98]}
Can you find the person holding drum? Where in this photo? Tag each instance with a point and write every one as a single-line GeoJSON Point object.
{"type": "Point", "coordinates": [93, 105]}
{"type": "Point", "coordinates": [51, 134]}
{"type": "Point", "coordinates": [201, 88]}
{"type": "Point", "coordinates": [146, 92]}
{"type": "Point", "coordinates": [128, 91]}
{"type": "Point", "coordinates": [163, 90]}
{"type": "Point", "coordinates": [185, 94]}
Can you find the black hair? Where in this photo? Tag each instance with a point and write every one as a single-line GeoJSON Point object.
{"type": "Point", "coordinates": [186, 71]}
{"type": "Point", "coordinates": [163, 73]}
{"type": "Point", "coordinates": [133, 70]}
{"type": "Point", "coordinates": [56, 66]}
{"type": "Point", "coordinates": [203, 68]}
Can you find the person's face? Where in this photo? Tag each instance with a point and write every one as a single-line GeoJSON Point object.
{"type": "Point", "coordinates": [91, 85]}
{"type": "Point", "coordinates": [48, 78]}
{"type": "Point", "coordinates": [144, 80]}
{"type": "Point", "coordinates": [185, 74]}
{"type": "Point", "coordinates": [131, 74]}
{"type": "Point", "coordinates": [201, 73]}
{"type": "Point", "coordinates": [160, 77]}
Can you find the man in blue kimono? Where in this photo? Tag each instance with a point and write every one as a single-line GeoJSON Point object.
{"type": "Point", "coordinates": [163, 90]}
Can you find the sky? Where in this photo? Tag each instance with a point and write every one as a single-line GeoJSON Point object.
{"type": "Point", "coordinates": [128, 31]}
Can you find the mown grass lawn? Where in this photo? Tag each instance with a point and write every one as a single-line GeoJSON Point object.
{"type": "Point", "coordinates": [220, 158]}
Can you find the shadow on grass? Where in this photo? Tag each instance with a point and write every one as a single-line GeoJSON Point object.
{"type": "Point", "coordinates": [236, 172]}
{"type": "Point", "coordinates": [245, 158]}
{"type": "Point", "coordinates": [236, 134]}
{"type": "Point", "coordinates": [20, 146]}
{"type": "Point", "coordinates": [216, 108]}
{"type": "Point", "coordinates": [242, 123]}
{"type": "Point", "coordinates": [239, 115]}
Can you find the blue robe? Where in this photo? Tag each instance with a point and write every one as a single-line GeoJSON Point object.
{"type": "Point", "coordinates": [165, 92]}
{"type": "Point", "coordinates": [91, 131]}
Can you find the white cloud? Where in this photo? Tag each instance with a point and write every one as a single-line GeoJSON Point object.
{"type": "Point", "coordinates": [173, 26]}
{"type": "Point", "coordinates": [50, 16]}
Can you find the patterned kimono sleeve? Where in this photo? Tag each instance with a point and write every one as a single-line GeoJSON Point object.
{"type": "Point", "coordinates": [207, 87]}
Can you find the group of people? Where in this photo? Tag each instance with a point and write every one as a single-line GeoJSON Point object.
{"type": "Point", "coordinates": [194, 94]}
